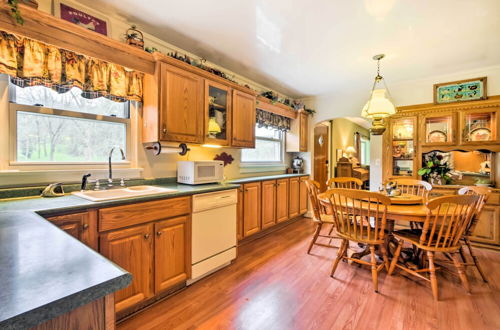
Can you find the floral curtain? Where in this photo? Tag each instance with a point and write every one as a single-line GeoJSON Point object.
{"type": "Point", "coordinates": [271, 120]}
{"type": "Point", "coordinates": [32, 63]}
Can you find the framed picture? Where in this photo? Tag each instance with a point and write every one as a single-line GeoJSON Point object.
{"type": "Point", "coordinates": [75, 14]}
{"type": "Point", "coordinates": [461, 90]}
{"type": "Point", "coordinates": [339, 154]}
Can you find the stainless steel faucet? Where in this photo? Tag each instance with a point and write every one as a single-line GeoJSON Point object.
{"type": "Point", "coordinates": [110, 176]}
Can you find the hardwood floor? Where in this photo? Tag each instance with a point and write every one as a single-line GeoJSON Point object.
{"type": "Point", "coordinates": [274, 284]}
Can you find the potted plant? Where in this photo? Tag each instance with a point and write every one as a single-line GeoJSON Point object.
{"type": "Point", "coordinates": [436, 169]}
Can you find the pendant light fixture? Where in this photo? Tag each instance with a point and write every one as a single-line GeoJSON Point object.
{"type": "Point", "coordinates": [380, 105]}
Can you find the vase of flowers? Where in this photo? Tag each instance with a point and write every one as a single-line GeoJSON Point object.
{"type": "Point", "coordinates": [436, 169]}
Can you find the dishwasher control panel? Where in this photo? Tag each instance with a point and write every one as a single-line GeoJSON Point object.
{"type": "Point", "coordinates": [202, 202]}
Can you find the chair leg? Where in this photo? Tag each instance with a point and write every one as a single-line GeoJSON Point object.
{"type": "Point", "coordinates": [374, 268]}
{"type": "Point", "coordinates": [340, 254]}
{"type": "Point", "coordinates": [432, 270]}
{"type": "Point", "coordinates": [315, 237]}
{"type": "Point", "coordinates": [462, 254]}
{"type": "Point", "coordinates": [384, 256]}
{"type": "Point", "coordinates": [461, 272]}
{"type": "Point", "coordinates": [395, 257]}
{"type": "Point", "coordinates": [475, 259]}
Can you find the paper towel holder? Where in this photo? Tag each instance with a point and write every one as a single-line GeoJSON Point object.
{"type": "Point", "coordinates": [157, 149]}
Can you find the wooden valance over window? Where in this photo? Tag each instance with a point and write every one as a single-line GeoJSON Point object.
{"type": "Point", "coordinates": [30, 63]}
{"type": "Point", "coordinates": [271, 120]}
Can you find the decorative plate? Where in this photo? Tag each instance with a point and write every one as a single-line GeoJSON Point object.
{"type": "Point", "coordinates": [437, 136]}
{"type": "Point", "coordinates": [480, 134]}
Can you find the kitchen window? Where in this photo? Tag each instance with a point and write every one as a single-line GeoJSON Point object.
{"type": "Point", "coordinates": [53, 128]}
{"type": "Point", "coordinates": [269, 148]}
{"type": "Point", "coordinates": [365, 151]}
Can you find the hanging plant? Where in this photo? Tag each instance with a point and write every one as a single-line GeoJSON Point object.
{"type": "Point", "coordinates": [310, 112]}
{"type": "Point", "coordinates": [14, 11]}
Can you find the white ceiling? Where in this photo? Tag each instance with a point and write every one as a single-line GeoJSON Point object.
{"type": "Point", "coordinates": [302, 48]}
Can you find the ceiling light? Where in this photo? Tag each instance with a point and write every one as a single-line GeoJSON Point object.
{"type": "Point", "coordinates": [379, 106]}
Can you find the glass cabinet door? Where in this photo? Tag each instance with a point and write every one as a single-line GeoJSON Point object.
{"type": "Point", "coordinates": [438, 130]}
{"type": "Point", "coordinates": [403, 136]}
{"type": "Point", "coordinates": [479, 127]}
{"type": "Point", "coordinates": [218, 113]}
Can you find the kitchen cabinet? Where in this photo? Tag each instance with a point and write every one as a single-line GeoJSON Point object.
{"type": "Point", "coordinates": [479, 127]}
{"type": "Point", "coordinates": [173, 105]}
{"type": "Point", "coordinates": [132, 249]}
{"type": "Point", "coordinates": [81, 225]}
{"type": "Point", "coordinates": [239, 214]}
{"type": "Point", "coordinates": [218, 113]}
{"type": "Point", "coordinates": [172, 257]}
{"type": "Point", "coordinates": [294, 198]}
{"type": "Point", "coordinates": [403, 142]}
{"type": "Point", "coordinates": [438, 129]}
{"type": "Point", "coordinates": [303, 196]}
{"type": "Point", "coordinates": [243, 120]}
{"type": "Point", "coordinates": [268, 203]}
{"type": "Point", "coordinates": [488, 226]}
{"type": "Point", "coordinates": [251, 208]}
{"type": "Point", "coordinates": [282, 200]}
{"type": "Point", "coordinates": [297, 136]}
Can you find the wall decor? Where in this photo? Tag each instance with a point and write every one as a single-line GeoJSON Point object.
{"type": "Point", "coordinates": [225, 157]}
{"type": "Point", "coordinates": [81, 18]}
{"type": "Point", "coordinates": [134, 37]}
{"type": "Point", "coordinates": [461, 90]}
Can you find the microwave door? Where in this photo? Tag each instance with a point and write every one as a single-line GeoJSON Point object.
{"type": "Point", "coordinates": [205, 173]}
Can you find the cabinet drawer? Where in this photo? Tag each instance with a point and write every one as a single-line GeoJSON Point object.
{"type": "Point", "coordinates": [132, 214]}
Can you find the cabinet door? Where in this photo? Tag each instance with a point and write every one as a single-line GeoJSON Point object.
{"type": "Point", "coordinates": [282, 200]}
{"type": "Point", "coordinates": [172, 252]}
{"type": "Point", "coordinates": [131, 249]}
{"type": "Point", "coordinates": [268, 203]}
{"type": "Point", "coordinates": [303, 132]}
{"type": "Point", "coordinates": [251, 208]}
{"type": "Point", "coordinates": [303, 195]}
{"type": "Point", "coordinates": [239, 215]}
{"type": "Point", "coordinates": [218, 105]}
{"type": "Point", "coordinates": [243, 134]}
{"type": "Point", "coordinates": [438, 129]}
{"type": "Point", "coordinates": [82, 225]}
{"type": "Point", "coordinates": [181, 113]}
{"type": "Point", "coordinates": [294, 195]}
{"type": "Point", "coordinates": [487, 229]}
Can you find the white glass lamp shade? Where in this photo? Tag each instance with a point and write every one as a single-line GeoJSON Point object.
{"type": "Point", "coordinates": [379, 106]}
{"type": "Point", "coordinates": [350, 150]}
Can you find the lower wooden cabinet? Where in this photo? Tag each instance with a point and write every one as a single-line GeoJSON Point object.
{"type": "Point", "coordinates": [239, 215]}
{"type": "Point", "coordinates": [81, 225]}
{"type": "Point", "coordinates": [294, 198]}
{"type": "Point", "coordinates": [282, 200]}
{"type": "Point", "coordinates": [303, 197]}
{"type": "Point", "coordinates": [268, 203]}
{"type": "Point", "coordinates": [251, 208]}
{"type": "Point", "coordinates": [487, 229]}
{"type": "Point", "coordinates": [131, 249]}
{"type": "Point", "coordinates": [172, 252]}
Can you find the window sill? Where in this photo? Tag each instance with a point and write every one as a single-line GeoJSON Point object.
{"type": "Point", "coordinates": [255, 167]}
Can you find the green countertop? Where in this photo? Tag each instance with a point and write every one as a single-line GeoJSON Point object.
{"type": "Point", "coordinates": [263, 178]}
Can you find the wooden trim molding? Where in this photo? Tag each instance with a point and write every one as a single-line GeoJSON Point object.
{"type": "Point", "coordinates": [276, 108]}
{"type": "Point", "coordinates": [46, 28]}
{"type": "Point", "coordinates": [491, 102]}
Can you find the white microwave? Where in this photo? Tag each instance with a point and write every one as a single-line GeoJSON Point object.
{"type": "Point", "coordinates": [199, 172]}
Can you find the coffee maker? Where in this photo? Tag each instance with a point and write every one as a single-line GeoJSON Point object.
{"type": "Point", "coordinates": [298, 165]}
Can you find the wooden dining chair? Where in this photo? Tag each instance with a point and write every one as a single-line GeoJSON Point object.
{"type": "Point", "coordinates": [448, 218]}
{"type": "Point", "coordinates": [413, 187]}
{"type": "Point", "coordinates": [344, 183]}
{"type": "Point", "coordinates": [360, 216]}
{"type": "Point", "coordinates": [483, 193]}
{"type": "Point", "coordinates": [319, 215]}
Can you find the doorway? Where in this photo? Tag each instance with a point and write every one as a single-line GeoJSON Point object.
{"type": "Point", "coordinates": [321, 152]}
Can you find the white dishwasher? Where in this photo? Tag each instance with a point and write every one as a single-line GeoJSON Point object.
{"type": "Point", "coordinates": [213, 240]}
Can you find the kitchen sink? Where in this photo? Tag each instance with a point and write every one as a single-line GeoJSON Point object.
{"type": "Point", "coordinates": [119, 193]}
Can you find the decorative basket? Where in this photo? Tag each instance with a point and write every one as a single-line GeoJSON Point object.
{"type": "Point", "coordinates": [134, 37]}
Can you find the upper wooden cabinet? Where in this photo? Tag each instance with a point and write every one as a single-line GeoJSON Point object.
{"type": "Point", "coordinates": [243, 122]}
{"type": "Point", "coordinates": [218, 113]}
{"type": "Point", "coordinates": [82, 225]}
{"type": "Point", "coordinates": [296, 137]}
{"type": "Point", "coordinates": [479, 127]}
{"type": "Point", "coordinates": [438, 129]}
{"type": "Point", "coordinates": [402, 143]}
{"type": "Point", "coordinates": [173, 106]}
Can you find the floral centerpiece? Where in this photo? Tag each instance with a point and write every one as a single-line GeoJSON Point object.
{"type": "Point", "coordinates": [436, 169]}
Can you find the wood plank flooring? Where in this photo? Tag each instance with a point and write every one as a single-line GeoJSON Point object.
{"type": "Point", "coordinates": [275, 284]}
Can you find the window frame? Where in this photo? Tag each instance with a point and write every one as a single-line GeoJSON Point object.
{"type": "Point", "coordinates": [15, 107]}
{"type": "Point", "coordinates": [365, 141]}
{"type": "Point", "coordinates": [255, 163]}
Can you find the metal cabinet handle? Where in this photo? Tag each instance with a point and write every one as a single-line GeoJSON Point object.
{"type": "Point", "coordinates": [158, 233]}
{"type": "Point", "coordinates": [146, 236]}
{"type": "Point", "coordinates": [85, 226]}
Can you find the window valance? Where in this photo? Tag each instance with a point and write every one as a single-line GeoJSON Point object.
{"type": "Point", "coordinates": [30, 63]}
{"type": "Point", "coordinates": [271, 120]}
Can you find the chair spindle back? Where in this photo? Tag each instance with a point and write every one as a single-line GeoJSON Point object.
{"type": "Point", "coordinates": [313, 191]}
{"type": "Point", "coordinates": [344, 183]}
{"type": "Point", "coordinates": [483, 193]}
{"type": "Point", "coordinates": [414, 187]}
